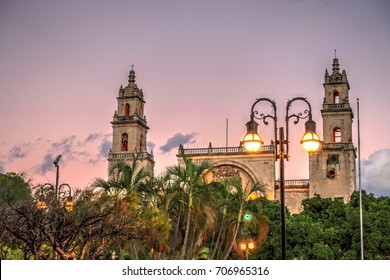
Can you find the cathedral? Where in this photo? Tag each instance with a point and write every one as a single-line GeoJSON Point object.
{"type": "Point", "coordinates": [332, 170]}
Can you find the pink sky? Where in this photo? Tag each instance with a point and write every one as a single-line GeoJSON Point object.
{"type": "Point", "coordinates": [198, 63]}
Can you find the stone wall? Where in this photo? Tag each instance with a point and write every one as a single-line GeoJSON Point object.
{"type": "Point", "coordinates": [253, 167]}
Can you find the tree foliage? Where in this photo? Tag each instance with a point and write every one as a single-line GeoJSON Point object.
{"type": "Point", "coordinates": [134, 215]}
{"type": "Point", "coordinates": [13, 189]}
{"type": "Point", "coordinates": [330, 229]}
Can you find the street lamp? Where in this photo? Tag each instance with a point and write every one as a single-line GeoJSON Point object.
{"type": "Point", "coordinates": [67, 195]}
{"type": "Point", "coordinates": [247, 245]}
{"type": "Point", "coordinates": [64, 195]}
{"type": "Point", "coordinates": [253, 142]}
{"type": "Point", "coordinates": [60, 191]}
{"type": "Point", "coordinates": [41, 204]}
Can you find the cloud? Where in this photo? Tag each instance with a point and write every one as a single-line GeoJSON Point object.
{"type": "Point", "coordinates": [2, 170]}
{"type": "Point", "coordinates": [17, 152]}
{"type": "Point", "coordinates": [22, 150]}
{"type": "Point", "coordinates": [65, 147]}
{"type": "Point", "coordinates": [150, 146]}
{"type": "Point", "coordinates": [69, 148]}
{"type": "Point", "coordinates": [46, 165]}
{"type": "Point", "coordinates": [92, 137]}
{"type": "Point", "coordinates": [104, 148]}
{"type": "Point", "coordinates": [91, 150]}
{"type": "Point", "coordinates": [178, 139]}
{"type": "Point", "coordinates": [376, 173]}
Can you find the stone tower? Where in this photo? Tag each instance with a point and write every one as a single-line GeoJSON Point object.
{"type": "Point", "coordinates": [130, 128]}
{"type": "Point", "coordinates": [333, 169]}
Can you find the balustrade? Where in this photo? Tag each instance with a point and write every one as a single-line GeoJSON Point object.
{"type": "Point", "coordinates": [223, 150]}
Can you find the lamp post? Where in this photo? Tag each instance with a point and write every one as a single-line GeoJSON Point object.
{"type": "Point", "coordinates": [252, 142]}
{"type": "Point", "coordinates": [60, 191]}
{"type": "Point", "coordinates": [56, 161]}
{"type": "Point", "coordinates": [245, 246]}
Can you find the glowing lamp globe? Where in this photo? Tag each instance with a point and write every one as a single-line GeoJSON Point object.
{"type": "Point", "coordinates": [69, 204]}
{"type": "Point", "coordinates": [41, 205]}
{"type": "Point", "coordinates": [252, 142]}
{"type": "Point", "coordinates": [248, 217]}
{"type": "Point", "coordinates": [310, 140]}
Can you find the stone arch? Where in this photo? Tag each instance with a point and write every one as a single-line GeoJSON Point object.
{"type": "Point", "coordinates": [251, 174]}
{"type": "Point", "coordinates": [226, 170]}
{"type": "Point", "coordinates": [254, 172]}
{"type": "Point", "coordinates": [231, 168]}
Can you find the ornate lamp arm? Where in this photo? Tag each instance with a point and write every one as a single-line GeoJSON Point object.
{"type": "Point", "coordinates": [301, 115]}
{"type": "Point", "coordinates": [262, 117]}
{"type": "Point", "coordinates": [61, 190]}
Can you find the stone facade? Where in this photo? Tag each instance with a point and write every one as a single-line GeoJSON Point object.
{"type": "Point", "coordinates": [236, 161]}
{"type": "Point", "coordinates": [293, 197]}
{"type": "Point", "coordinates": [331, 169]}
{"type": "Point", "coordinates": [130, 128]}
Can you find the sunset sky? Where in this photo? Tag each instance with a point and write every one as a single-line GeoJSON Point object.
{"type": "Point", "coordinates": [199, 63]}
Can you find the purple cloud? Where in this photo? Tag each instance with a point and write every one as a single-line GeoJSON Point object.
{"type": "Point", "coordinates": [17, 152]}
{"type": "Point", "coordinates": [46, 165]}
{"type": "Point", "coordinates": [375, 173]}
{"type": "Point", "coordinates": [178, 139]}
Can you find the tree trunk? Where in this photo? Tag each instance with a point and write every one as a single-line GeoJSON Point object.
{"type": "Point", "coordinates": [234, 236]}
{"type": "Point", "coordinates": [219, 235]}
{"type": "Point", "coordinates": [134, 250]}
{"type": "Point", "coordinates": [188, 223]}
{"type": "Point", "coordinates": [174, 240]}
{"type": "Point", "coordinates": [192, 243]}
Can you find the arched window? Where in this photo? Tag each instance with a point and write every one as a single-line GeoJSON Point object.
{"type": "Point", "coordinates": [127, 110]}
{"type": "Point", "coordinates": [336, 97]}
{"type": "Point", "coordinates": [337, 135]}
{"type": "Point", "coordinates": [125, 140]}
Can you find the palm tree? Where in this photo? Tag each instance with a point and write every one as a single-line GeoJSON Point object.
{"type": "Point", "coordinates": [123, 178]}
{"type": "Point", "coordinates": [130, 184]}
{"type": "Point", "coordinates": [204, 217]}
{"type": "Point", "coordinates": [188, 177]}
{"type": "Point", "coordinates": [223, 198]}
{"type": "Point", "coordinates": [129, 177]}
{"type": "Point", "coordinates": [240, 199]}
{"type": "Point", "coordinates": [173, 204]}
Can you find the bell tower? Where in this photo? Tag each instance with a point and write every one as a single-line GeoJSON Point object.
{"type": "Point", "coordinates": [130, 127]}
{"type": "Point", "coordinates": [333, 168]}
